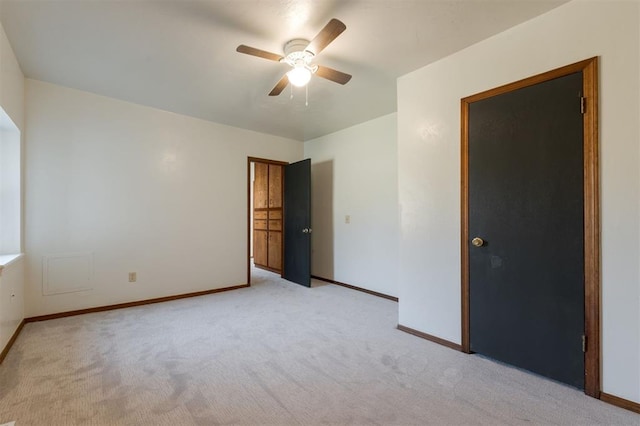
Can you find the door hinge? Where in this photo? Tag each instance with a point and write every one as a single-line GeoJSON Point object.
{"type": "Point", "coordinates": [584, 343]}
{"type": "Point", "coordinates": [583, 104]}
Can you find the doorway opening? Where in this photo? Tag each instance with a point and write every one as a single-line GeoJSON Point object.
{"type": "Point", "coordinates": [265, 215]}
{"type": "Point", "coordinates": [279, 218]}
{"type": "Point", "coordinates": [587, 102]}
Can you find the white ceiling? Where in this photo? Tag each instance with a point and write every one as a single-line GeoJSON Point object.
{"type": "Point", "coordinates": [179, 55]}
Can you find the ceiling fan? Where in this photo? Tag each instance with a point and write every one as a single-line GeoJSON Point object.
{"type": "Point", "coordinates": [299, 53]}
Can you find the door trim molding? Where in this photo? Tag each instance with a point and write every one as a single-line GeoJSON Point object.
{"type": "Point", "coordinates": [430, 337]}
{"type": "Point", "coordinates": [592, 286]}
{"type": "Point", "coordinates": [620, 402]}
{"type": "Point", "coordinates": [249, 182]}
{"type": "Point", "coordinates": [356, 288]}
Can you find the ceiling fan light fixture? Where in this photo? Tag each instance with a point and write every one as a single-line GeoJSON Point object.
{"type": "Point", "coordinates": [299, 54]}
{"type": "Point", "coordinates": [299, 76]}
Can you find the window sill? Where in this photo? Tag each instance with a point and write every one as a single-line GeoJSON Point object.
{"type": "Point", "coordinates": [8, 259]}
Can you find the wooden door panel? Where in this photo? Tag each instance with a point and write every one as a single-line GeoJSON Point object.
{"type": "Point", "coordinates": [267, 215]}
{"type": "Point", "coordinates": [275, 186]}
{"type": "Point", "coordinates": [259, 224]}
{"type": "Point", "coordinates": [275, 225]}
{"type": "Point", "coordinates": [261, 189]}
{"type": "Point", "coordinates": [260, 247]}
{"type": "Point", "coordinates": [275, 250]}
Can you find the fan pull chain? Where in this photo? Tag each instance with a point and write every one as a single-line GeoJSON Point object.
{"type": "Point", "coordinates": [306, 99]}
{"type": "Point", "coordinates": [291, 90]}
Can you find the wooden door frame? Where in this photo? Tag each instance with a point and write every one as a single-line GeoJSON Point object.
{"type": "Point", "coordinates": [249, 212]}
{"type": "Point", "coordinates": [592, 286]}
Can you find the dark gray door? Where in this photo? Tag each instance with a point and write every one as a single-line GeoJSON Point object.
{"type": "Point", "coordinates": [526, 276]}
{"type": "Point", "coordinates": [297, 223]}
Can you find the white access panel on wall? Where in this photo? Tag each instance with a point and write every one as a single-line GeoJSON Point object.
{"type": "Point", "coordinates": [66, 273]}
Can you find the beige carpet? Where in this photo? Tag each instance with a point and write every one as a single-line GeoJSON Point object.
{"type": "Point", "coordinates": [275, 353]}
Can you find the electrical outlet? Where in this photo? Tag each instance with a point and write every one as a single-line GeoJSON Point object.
{"type": "Point", "coordinates": [133, 277]}
{"type": "Point", "coordinates": [347, 219]}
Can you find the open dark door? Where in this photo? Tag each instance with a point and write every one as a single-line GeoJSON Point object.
{"type": "Point", "coordinates": [297, 223]}
{"type": "Point", "coordinates": [526, 240]}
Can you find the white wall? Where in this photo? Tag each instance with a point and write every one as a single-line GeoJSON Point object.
{"type": "Point", "coordinates": [11, 82]}
{"type": "Point", "coordinates": [10, 189]}
{"type": "Point", "coordinates": [11, 299]}
{"type": "Point", "coordinates": [139, 189]}
{"type": "Point", "coordinates": [12, 101]}
{"type": "Point", "coordinates": [429, 168]}
{"type": "Point", "coordinates": [354, 172]}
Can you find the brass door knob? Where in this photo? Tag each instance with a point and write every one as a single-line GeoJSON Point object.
{"type": "Point", "coordinates": [477, 241]}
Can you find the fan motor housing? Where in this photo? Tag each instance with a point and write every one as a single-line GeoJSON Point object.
{"type": "Point", "coordinates": [296, 45]}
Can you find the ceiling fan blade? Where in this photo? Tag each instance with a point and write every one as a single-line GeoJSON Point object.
{"type": "Point", "coordinates": [280, 86]}
{"type": "Point", "coordinates": [333, 75]}
{"type": "Point", "coordinates": [259, 53]}
{"type": "Point", "coordinates": [329, 33]}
